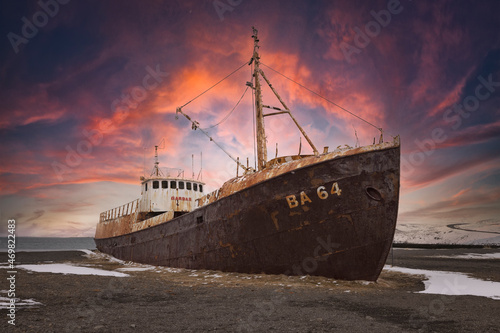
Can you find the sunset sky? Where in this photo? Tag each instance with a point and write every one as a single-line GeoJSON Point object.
{"type": "Point", "coordinates": [88, 88]}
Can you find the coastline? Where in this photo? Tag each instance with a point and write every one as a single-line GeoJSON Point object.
{"type": "Point", "coordinates": [48, 244]}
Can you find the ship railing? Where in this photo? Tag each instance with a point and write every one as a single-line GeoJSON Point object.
{"type": "Point", "coordinates": [123, 210]}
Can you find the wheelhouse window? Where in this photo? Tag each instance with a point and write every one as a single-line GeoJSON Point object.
{"type": "Point", "coordinates": [201, 188]}
{"type": "Point", "coordinates": [156, 184]}
{"type": "Point", "coordinates": [173, 184]}
{"type": "Point", "coordinates": [164, 184]}
{"type": "Point", "coordinates": [188, 186]}
{"type": "Point", "coordinates": [195, 187]}
{"type": "Point", "coordinates": [181, 185]}
{"type": "Point", "coordinates": [145, 186]}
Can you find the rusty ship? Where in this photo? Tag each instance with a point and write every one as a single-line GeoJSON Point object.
{"type": "Point", "coordinates": [331, 214]}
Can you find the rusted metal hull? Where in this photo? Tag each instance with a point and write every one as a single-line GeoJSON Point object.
{"type": "Point", "coordinates": [335, 218]}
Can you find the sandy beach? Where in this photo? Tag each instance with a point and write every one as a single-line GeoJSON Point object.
{"type": "Point", "coordinates": [153, 299]}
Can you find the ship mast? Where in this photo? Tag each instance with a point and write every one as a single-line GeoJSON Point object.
{"type": "Point", "coordinates": [261, 133]}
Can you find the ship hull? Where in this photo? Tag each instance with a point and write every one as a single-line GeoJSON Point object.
{"type": "Point", "coordinates": [335, 218]}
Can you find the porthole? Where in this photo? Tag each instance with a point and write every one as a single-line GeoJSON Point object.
{"type": "Point", "coordinates": [373, 193]}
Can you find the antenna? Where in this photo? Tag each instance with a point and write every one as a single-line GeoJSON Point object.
{"type": "Point", "coordinates": [192, 166]}
{"type": "Point", "coordinates": [156, 161]}
{"type": "Point", "coordinates": [156, 170]}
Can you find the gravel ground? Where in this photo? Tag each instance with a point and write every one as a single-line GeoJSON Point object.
{"type": "Point", "coordinates": [177, 300]}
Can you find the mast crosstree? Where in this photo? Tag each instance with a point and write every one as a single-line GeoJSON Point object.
{"type": "Point", "coordinates": [261, 133]}
{"type": "Point", "coordinates": [260, 129]}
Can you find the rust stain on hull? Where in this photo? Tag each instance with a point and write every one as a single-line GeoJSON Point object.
{"type": "Point", "coordinates": [275, 220]}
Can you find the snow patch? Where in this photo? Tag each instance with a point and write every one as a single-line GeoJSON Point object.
{"type": "Point", "coordinates": [169, 269]}
{"type": "Point", "coordinates": [99, 255]}
{"type": "Point", "coordinates": [215, 276]}
{"type": "Point", "coordinates": [135, 269]}
{"type": "Point", "coordinates": [472, 256]}
{"type": "Point", "coordinates": [20, 303]}
{"type": "Point", "coordinates": [451, 283]}
{"type": "Point", "coordinates": [69, 269]}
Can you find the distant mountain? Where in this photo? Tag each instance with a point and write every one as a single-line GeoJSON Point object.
{"type": "Point", "coordinates": [485, 232]}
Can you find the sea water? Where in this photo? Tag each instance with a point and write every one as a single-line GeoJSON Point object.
{"type": "Point", "coordinates": [49, 244]}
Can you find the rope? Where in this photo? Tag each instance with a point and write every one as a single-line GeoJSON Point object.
{"type": "Point", "coordinates": [216, 84]}
{"type": "Point", "coordinates": [227, 116]}
{"type": "Point", "coordinates": [355, 115]}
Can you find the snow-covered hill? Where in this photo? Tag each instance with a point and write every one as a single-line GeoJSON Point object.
{"type": "Point", "coordinates": [479, 233]}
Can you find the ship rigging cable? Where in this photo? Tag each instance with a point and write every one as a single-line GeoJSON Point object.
{"type": "Point", "coordinates": [230, 112]}
{"type": "Point", "coordinates": [288, 78]}
{"type": "Point", "coordinates": [326, 99]}
{"type": "Point", "coordinates": [196, 125]}
{"type": "Point", "coordinates": [216, 84]}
